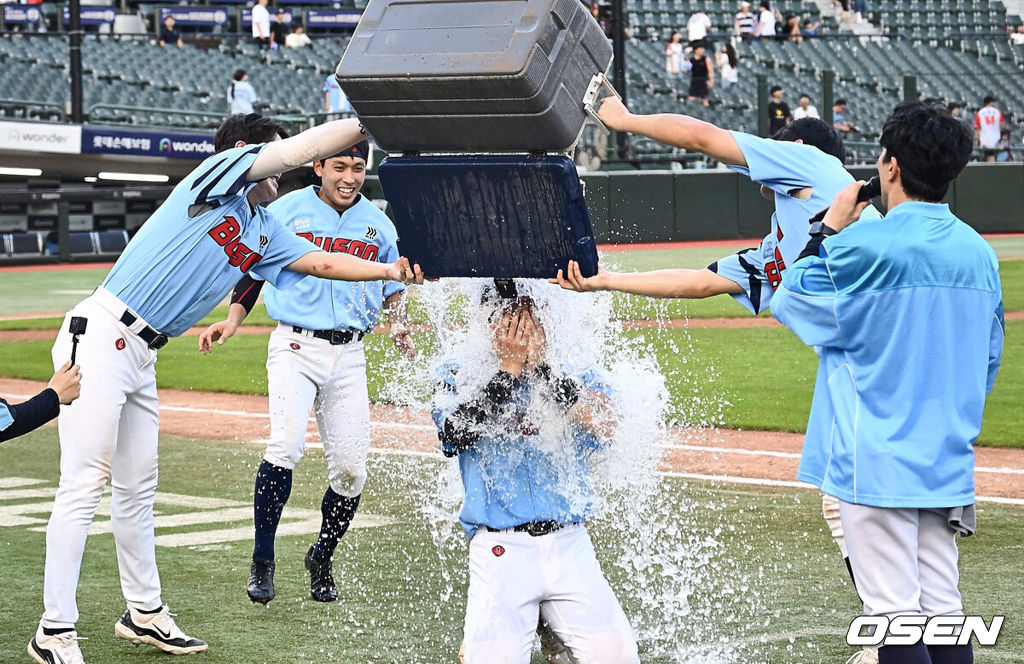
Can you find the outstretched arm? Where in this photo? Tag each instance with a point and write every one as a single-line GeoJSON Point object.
{"type": "Point", "coordinates": [346, 267]}
{"type": "Point", "coordinates": [243, 299]}
{"type": "Point", "coordinates": [316, 143]}
{"type": "Point", "coordinates": [680, 282]}
{"type": "Point", "coordinates": [681, 131]}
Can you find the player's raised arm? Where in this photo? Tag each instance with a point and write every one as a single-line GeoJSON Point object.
{"type": "Point", "coordinates": [315, 143]}
{"type": "Point", "coordinates": [681, 131]}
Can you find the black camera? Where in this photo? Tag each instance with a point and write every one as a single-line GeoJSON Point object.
{"type": "Point", "coordinates": [78, 324]}
{"type": "Point", "coordinates": [868, 190]}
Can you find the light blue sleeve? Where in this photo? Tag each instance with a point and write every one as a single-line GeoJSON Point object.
{"type": "Point", "coordinates": [327, 83]}
{"type": "Point", "coordinates": [390, 255]}
{"type": "Point", "coordinates": [224, 174]}
{"type": "Point", "coordinates": [283, 249]}
{"type": "Point", "coordinates": [446, 401]}
{"type": "Point", "coordinates": [805, 302]}
{"type": "Point", "coordinates": [6, 419]}
{"type": "Point", "coordinates": [782, 165]}
{"type": "Point", "coordinates": [995, 350]}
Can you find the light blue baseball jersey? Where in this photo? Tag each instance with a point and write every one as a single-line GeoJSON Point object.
{"type": "Point", "coordinates": [339, 102]}
{"type": "Point", "coordinates": [508, 479]}
{"type": "Point", "coordinates": [197, 245]}
{"type": "Point", "coordinates": [785, 168]}
{"type": "Point", "coordinates": [6, 419]}
{"type": "Point", "coordinates": [363, 231]}
{"type": "Point", "coordinates": [907, 311]}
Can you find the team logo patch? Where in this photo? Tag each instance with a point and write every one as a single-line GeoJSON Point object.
{"type": "Point", "coordinates": [498, 551]}
{"type": "Point", "coordinates": [119, 344]}
{"type": "Point", "coordinates": [371, 232]}
{"type": "Point", "coordinates": [264, 241]}
{"type": "Point", "coordinates": [294, 346]}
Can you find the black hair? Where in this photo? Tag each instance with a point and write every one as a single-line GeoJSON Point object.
{"type": "Point", "coordinates": [765, 4]}
{"type": "Point", "coordinates": [730, 53]}
{"type": "Point", "coordinates": [804, 94]}
{"type": "Point", "coordinates": [953, 106]}
{"type": "Point", "coordinates": [247, 128]}
{"type": "Point", "coordinates": [236, 77]}
{"type": "Point", "coordinates": [987, 100]}
{"type": "Point", "coordinates": [930, 146]}
{"type": "Point", "coordinates": [839, 102]}
{"type": "Point", "coordinates": [775, 88]}
{"type": "Point", "coordinates": [813, 131]}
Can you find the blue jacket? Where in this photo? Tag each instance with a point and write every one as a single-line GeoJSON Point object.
{"type": "Point", "coordinates": [907, 311]}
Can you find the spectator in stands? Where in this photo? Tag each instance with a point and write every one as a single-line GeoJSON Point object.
{"type": "Point", "coordinates": [241, 94]}
{"type": "Point", "coordinates": [779, 114]}
{"type": "Point", "coordinates": [744, 23]}
{"type": "Point", "coordinates": [727, 62]}
{"type": "Point", "coordinates": [791, 29]}
{"type": "Point", "coordinates": [957, 112]}
{"type": "Point", "coordinates": [261, 24]}
{"type": "Point", "coordinates": [843, 13]}
{"type": "Point", "coordinates": [278, 30]}
{"type": "Point", "coordinates": [702, 74]}
{"type": "Point", "coordinates": [1017, 36]}
{"type": "Point", "coordinates": [988, 123]}
{"type": "Point", "coordinates": [697, 27]}
{"type": "Point", "coordinates": [810, 29]}
{"type": "Point", "coordinates": [335, 100]}
{"type": "Point", "coordinates": [1004, 147]}
{"type": "Point", "coordinates": [860, 10]}
{"type": "Point", "coordinates": [298, 38]}
{"type": "Point", "coordinates": [806, 109]}
{"type": "Point", "coordinates": [839, 122]}
{"type": "Point", "coordinates": [674, 55]}
{"type": "Point", "coordinates": [765, 21]}
{"type": "Point", "coordinates": [168, 35]}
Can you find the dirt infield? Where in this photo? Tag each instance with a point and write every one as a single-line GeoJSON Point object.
{"type": "Point", "coordinates": [754, 456]}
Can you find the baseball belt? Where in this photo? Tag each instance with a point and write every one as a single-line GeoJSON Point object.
{"type": "Point", "coordinates": [333, 337]}
{"type": "Point", "coordinates": [533, 528]}
{"type": "Point", "coordinates": [155, 340]}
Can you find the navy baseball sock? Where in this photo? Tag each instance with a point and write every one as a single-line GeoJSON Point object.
{"type": "Point", "coordinates": [54, 631]}
{"type": "Point", "coordinates": [915, 654]}
{"type": "Point", "coordinates": [273, 486]}
{"type": "Point", "coordinates": [338, 512]}
{"type": "Point", "coordinates": [952, 654]}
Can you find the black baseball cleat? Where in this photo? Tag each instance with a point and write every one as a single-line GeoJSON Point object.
{"type": "Point", "coordinates": [261, 581]}
{"type": "Point", "coordinates": [158, 630]}
{"type": "Point", "coordinates": [321, 580]}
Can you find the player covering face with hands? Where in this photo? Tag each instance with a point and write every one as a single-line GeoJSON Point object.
{"type": "Point", "coordinates": [523, 432]}
{"type": "Point", "coordinates": [184, 260]}
{"type": "Point", "coordinates": [315, 359]}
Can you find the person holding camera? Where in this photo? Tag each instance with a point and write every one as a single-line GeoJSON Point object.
{"type": "Point", "coordinates": [19, 419]}
{"type": "Point", "coordinates": [907, 312]}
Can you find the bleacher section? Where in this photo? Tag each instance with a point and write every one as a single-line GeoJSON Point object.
{"type": "Point", "coordinates": [956, 49]}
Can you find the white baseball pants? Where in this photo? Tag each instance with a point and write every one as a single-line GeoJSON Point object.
{"type": "Point", "coordinates": [513, 576]}
{"type": "Point", "coordinates": [904, 560]}
{"type": "Point", "coordinates": [305, 372]}
{"type": "Point", "coordinates": [111, 430]}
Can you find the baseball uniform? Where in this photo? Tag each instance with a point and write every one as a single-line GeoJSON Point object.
{"type": "Point", "coordinates": [315, 358]}
{"type": "Point", "coordinates": [908, 314]}
{"type": "Point", "coordinates": [178, 267]}
{"type": "Point", "coordinates": [788, 169]}
{"type": "Point", "coordinates": [988, 122]}
{"type": "Point", "coordinates": [524, 513]}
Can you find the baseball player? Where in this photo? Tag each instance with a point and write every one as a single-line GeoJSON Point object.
{"type": "Point", "coordinates": [801, 169]}
{"type": "Point", "coordinates": [523, 434]}
{"type": "Point", "coordinates": [315, 358]}
{"type": "Point", "coordinates": [908, 316]}
{"type": "Point", "coordinates": [18, 419]}
{"type": "Point", "coordinates": [209, 232]}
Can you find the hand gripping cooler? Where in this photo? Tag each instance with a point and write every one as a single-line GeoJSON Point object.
{"type": "Point", "coordinates": [456, 77]}
{"type": "Point", "coordinates": [473, 75]}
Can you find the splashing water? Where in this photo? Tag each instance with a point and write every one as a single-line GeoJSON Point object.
{"type": "Point", "coordinates": [659, 544]}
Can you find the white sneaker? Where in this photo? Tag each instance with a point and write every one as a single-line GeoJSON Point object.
{"type": "Point", "coordinates": [158, 630]}
{"type": "Point", "coordinates": [58, 649]}
{"type": "Point", "coordinates": [865, 656]}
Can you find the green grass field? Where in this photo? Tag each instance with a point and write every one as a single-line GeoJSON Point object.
{"type": "Point", "coordinates": [761, 579]}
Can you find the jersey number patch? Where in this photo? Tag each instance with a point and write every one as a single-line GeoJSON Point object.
{"type": "Point", "coordinates": [228, 234]}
